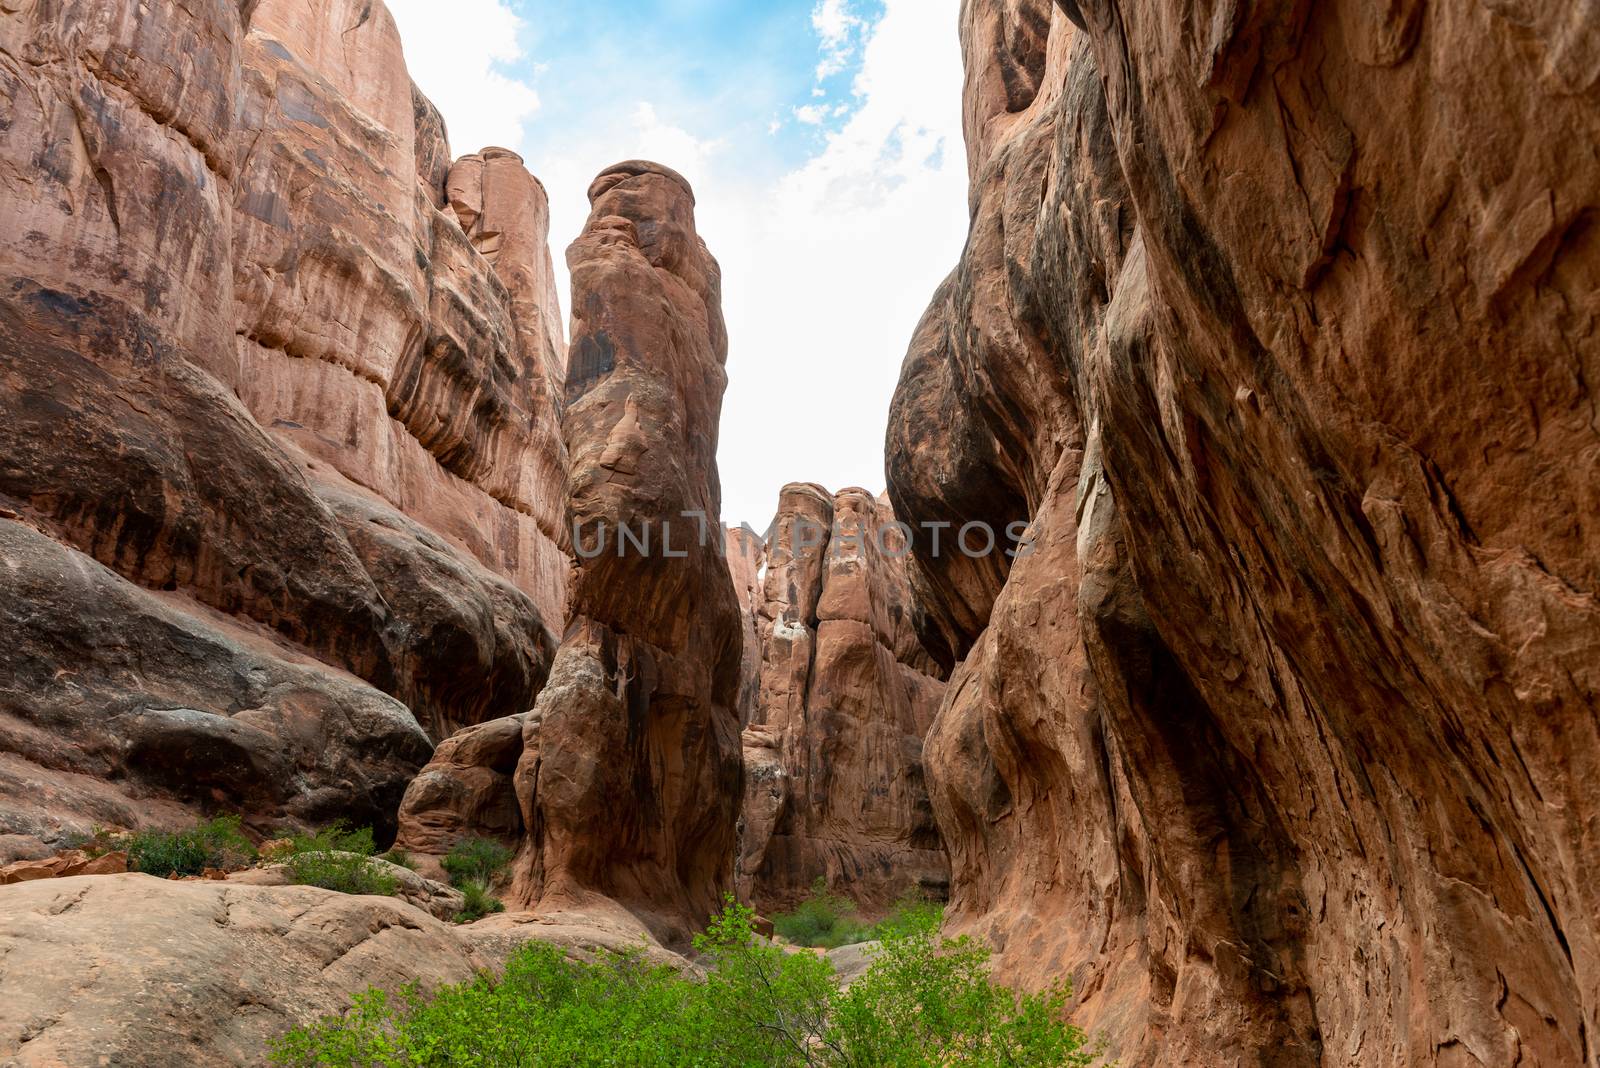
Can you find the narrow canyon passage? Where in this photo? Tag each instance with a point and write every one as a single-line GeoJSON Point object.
{"type": "Point", "coordinates": [1266, 716]}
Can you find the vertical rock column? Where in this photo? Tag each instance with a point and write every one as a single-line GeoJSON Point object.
{"type": "Point", "coordinates": [630, 774]}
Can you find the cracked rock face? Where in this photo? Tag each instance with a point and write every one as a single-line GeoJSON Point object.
{"type": "Point", "coordinates": [279, 443]}
{"type": "Point", "coordinates": [833, 754]}
{"type": "Point", "coordinates": [1279, 328]}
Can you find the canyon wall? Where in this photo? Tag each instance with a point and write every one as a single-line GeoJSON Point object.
{"type": "Point", "coordinates": [845, 692]}
{"type": "Point", "coordinates": [1277, 322]}
{"type": "Point", "coordinates": [280, 466]}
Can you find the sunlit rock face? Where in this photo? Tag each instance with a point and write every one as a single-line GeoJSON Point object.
{"type": "Point", "coordinates": [280, 464]}
{"type": "Point", "coordinates": [1278, 326]}
{"type": "Point", "coordinates": [628, 779]}
{"type": "Point", "coordinates": [833, 754]}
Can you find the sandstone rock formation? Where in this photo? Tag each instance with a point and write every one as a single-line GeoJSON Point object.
{"type": "Point", "coordinates": [466, 790]}
{"type": "Point", "coordinates": [1276, 323]}
{"type": "Point", "coordinates": [279, 459]}
{"type": "Point", "coordinates": [621, 786]}
{"type": "Point", "coordinates": [128, 969]}
{"type": "Point", "coordinates": [833, 758]}
{"type": "Point", "coordinates": [746, 556]}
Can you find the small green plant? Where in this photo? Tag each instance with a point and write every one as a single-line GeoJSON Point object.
{"type": "Point", "coordinates": [340, 859]}
{"type": "Point", "coordinates": [336, 837]}
{"type": "Point", "coordinates": [926, 993]}
{"type": "Point", "coordinates": [479, 859]}
{"type": "Point", "coordinates": [925, 1002]}
{"type": "Point", "coordinates": [914, 912]}
{"type": "Point", "coordinates": [479, 902]}
{"type": "Point", "coordinates": [217, 843]}
{"type": "Point", "coordinates": [825, 919]}
{"type": "Point", "coordinates": [400, 859]}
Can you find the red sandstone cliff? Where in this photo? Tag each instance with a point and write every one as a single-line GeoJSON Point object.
{"type": "Point", "coordinates": [1277, 323]}
{"type": "Point", "coordinates": [279, 461]}
{"type": "Point", "coordinates": [833, 753]}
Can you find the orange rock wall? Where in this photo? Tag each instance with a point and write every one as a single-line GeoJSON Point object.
{"type": "Point", "coordinates": [279, 497]}
{"type": "Point", "coordinates": [1276, 323]}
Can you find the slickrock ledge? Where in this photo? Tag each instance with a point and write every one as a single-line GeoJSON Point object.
{"type": "Point", "coordinates": [129, 969]}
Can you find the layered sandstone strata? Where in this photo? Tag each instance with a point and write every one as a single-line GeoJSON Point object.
{"type": "Point", "coordinates": [1277, 326]}
{"type": "Point", "coordinates": [833, 756]}
{"type": "Point", "coordinates": [621, 787]}
{"type": "Point", "coordinates": [279, 466]}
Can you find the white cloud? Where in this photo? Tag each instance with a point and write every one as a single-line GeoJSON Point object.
{"type": "Point", "coordinates": [812, 114]}
{"type": "Point", "coordinates": [837, 26]}
{"type": "Point", "coordinates": [828, 273]}
{"type": "Point", "coordinates": [455, 59]}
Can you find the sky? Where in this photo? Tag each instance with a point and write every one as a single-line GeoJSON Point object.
{"type": "Point", "coordinates": [823, 141]}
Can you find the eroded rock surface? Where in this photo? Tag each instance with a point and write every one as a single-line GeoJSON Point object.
{"type": "Point", "coordinates": [833, 756]}
{"type": "Point", "coordinates": [628, 782]}
{"type": "Point", "coordinates": [746, 556]}
{"type": "Point", "coordinates": [136, 970]}
{"type": "Point", "coordinates": [1278, 327]}
{"type": "Point", "coordinates": [279, 449]}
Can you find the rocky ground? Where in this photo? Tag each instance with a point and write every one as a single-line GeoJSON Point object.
{"type": "Point", "coordinates": [130, 969]}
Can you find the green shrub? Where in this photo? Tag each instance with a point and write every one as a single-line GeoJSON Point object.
{"type": "Point", "coordinates": [337, 837]}
{"type": "Point", "coordinates": [338, 858]}
{"type": "Point", "coordinates": [912, 914]}
{"type": "Point", "coordinates": [479, 859]}
{"type": "Point", "coordinates": [348, 873]}
{"type": "Point", "coordinates": [217, 843]}
{"type": "Point", "coordinates": [400, 859]}
{"type": "Point", "coordinates": [923, 994]}
{"type": "Point", "coordinates": [479, 902]}
{"type": "Point", "coordinates": [825, 919]}
{"type": "Point", "coordinates": [923, 1003]}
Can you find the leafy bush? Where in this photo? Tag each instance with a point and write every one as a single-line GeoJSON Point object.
{"type": "Point", "coordinates": [923, 993]}
{"type": "Point", "coordinates": [400, 859]}
{"type": "Point", "coordinates": [348, 873]}
{"type": "Point", "coordinates": [336, 837]}
{"type": "Point", "coordinates": [825, 919]}
{"type": "Point", "coordinates": [923, 1003]}
{"type": "Point", "coordinates": [338, 858]}
{"type": "Point", "coordinates": [913, 913]}
{"type": "Point", "coordinates": [479, 859]}
{"type": "Point", "coordinates": [217, 843]}
{"type": "Point", "coordinates": [479, 903]}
